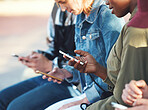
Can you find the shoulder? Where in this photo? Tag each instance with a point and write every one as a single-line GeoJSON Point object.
{"type": "Point", "coordinates": [136, 37]}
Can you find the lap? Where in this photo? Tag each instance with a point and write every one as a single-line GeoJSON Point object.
{"type": "Point", "coordinates": [59, 104]}
{"type": "Point", "coordinates": [42, 96]}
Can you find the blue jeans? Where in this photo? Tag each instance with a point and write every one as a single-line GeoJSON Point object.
{"type": "Point", "coordinates": [35, 94]}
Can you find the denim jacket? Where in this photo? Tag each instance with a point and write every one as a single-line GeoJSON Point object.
{"type": "Point", "coordinates": [95, 34]}
{"type": "Point", "coordinates": [61, 33]}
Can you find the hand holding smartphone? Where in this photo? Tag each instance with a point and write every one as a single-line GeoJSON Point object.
{"type": "Point", "coordinates": [39, 72]}
{"type": "Point", "coordinates": [116, 105]}
{"type": "Point", "coordinates": [70, 57]}
{"type": "Point", "coordinates": [15, 55]}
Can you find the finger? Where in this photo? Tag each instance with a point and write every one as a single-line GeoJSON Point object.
{"type": "Point", "coordinates": [54, 80]}
{"type": "Point", "coordinates": [71, 62]}
{"type": "Point", "coordinates": [77, 65]}
{"type": "Point", "coordinates": [140, 102]}
{"type": "Point", "coordinates": [34, 56]}
{"type": "Point", "coordinates": [59, 82]}
{"type": "Point", "coordinates": [24, 59]}
{"type": "Point", "coordinates": [141, 83]}
{"type": "Point", "coordinates": [134, 88]}
{"type": "Point", "coordinates": [67, 58]}
{"type": "Point", "coordinates": [82, 59]}
{"type": "Point", "coordinates": [80, 52]}
{"type": "Point", "coordinates": [130, 92]}
{"type": "Point", "coordinates": [127, 101]}
{"type": "Point", "coordinates": [44, 77]}
{"type": "Point", "coordinates": [49, 79]}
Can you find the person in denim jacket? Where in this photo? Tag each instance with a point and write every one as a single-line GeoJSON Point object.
{"type": "Point", "coordinates": [95, 33]}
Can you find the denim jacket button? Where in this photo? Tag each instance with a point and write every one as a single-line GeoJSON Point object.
{"type": "Point", "coordinates": [83, 37]}
{"type": "Point", "coordinates": [90, 36]}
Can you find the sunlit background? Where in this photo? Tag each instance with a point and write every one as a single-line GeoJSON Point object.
{"type": "Point", "coordinates": [23, 26]}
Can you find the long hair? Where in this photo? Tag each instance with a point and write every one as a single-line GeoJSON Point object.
{"type": "Point", "coordinates": [87, 9]}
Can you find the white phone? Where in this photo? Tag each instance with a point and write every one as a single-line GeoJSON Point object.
{"type": "Point", "coordinates": [70, 57]}
{"type": "Point", "coordinates": [116, 105]}
{"type": "Point", "coordinates": [15, 55]}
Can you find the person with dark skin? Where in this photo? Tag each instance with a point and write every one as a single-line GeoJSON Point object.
{"type": "Point", "coordinates": [127, 60]}
{"type": "Point", "coordinates": [95, 27]}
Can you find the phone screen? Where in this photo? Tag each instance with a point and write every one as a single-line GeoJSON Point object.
{"type": "Point", "coordinates": [70, 57]}
{"type": "Point", "coordinates": [116, 105]}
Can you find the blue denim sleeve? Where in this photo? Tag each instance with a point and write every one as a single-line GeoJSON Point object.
{"type": "Point", "coordinates": [111, 28]}
{"type": "Point", "coordinates": [93, 92]}
{"type": "Point", "coordinates": [74, 72]}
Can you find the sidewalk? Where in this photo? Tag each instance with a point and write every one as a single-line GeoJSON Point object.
{"type": "Point", "coordinates": [22, 29]}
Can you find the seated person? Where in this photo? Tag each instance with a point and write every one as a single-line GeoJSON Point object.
{"type": "Point", "coordinates": [128, 58]}
{"type": "Point", "coordinates": [96, 30]}
{"type": "Point", "coordinates": [36, 93]}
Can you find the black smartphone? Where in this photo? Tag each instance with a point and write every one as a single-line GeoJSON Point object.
{"type": "Point", "coordinates": [15, 55]}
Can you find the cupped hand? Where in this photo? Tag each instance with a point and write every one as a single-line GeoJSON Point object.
{"type": "Point", "coordinates": [90, 64]}
{"type": "Point", "coordinates": [37, 61]}
{"type": "Point", "coordinates": [133, 91]}
{"type": "Point", "coordinates": [59, 73]}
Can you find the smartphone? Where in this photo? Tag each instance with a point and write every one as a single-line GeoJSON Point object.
{"type": "Point", "coordinates": [39, 72]}
{"type": "Point", "coordinates": [70, 57]}
{"type": "Point", "coordinates": [15, 55]}
{"type": "Point", "coordinates": [116, 105]}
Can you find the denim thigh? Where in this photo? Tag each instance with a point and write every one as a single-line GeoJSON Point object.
{"type": "Point", "coordinates": [9, 94]}
{"type": "Point", "coordinates": [41, 97]}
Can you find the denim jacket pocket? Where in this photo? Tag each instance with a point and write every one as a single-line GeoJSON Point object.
{"type": "Point", "coordinates": [93, 36]}
{"type": "Point", "coordinates": [94, 46]}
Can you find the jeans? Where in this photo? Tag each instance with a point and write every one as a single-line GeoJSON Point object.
{"type": "Point", "coordinates": [35, 94]}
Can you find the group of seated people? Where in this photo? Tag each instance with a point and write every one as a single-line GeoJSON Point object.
{"type": "Point", "coordinates": [114, 57]}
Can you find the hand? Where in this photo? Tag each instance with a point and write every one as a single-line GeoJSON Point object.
{"type": "Point", "coordinates": [37, 61]}
{"type": "Point", "coordinates": [85, 100]}
{"type": "Point", "coordinates": [139, 104]}
{"type": "Point", "coordinates": [90, 65]}
{"type": "Point", "coordinates": [59, 73]}
{"type": "Point", "coordinates": [134, 90]}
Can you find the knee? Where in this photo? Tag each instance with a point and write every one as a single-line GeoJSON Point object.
{"type": "Point", "coordinates": [17, 105]}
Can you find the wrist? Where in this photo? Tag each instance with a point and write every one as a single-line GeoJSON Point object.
{"type": "Point", "coordinates": [101, 71]}
{"type": "Point", "coordinates": [48, 67]}
{"type": "Point", "coordinates": [66, 73]}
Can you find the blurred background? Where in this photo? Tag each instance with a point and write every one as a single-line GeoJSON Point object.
{"type": "Point", "coordinates": [23, 25]}
{"type": "Point", "coordinates": [23, 28]}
